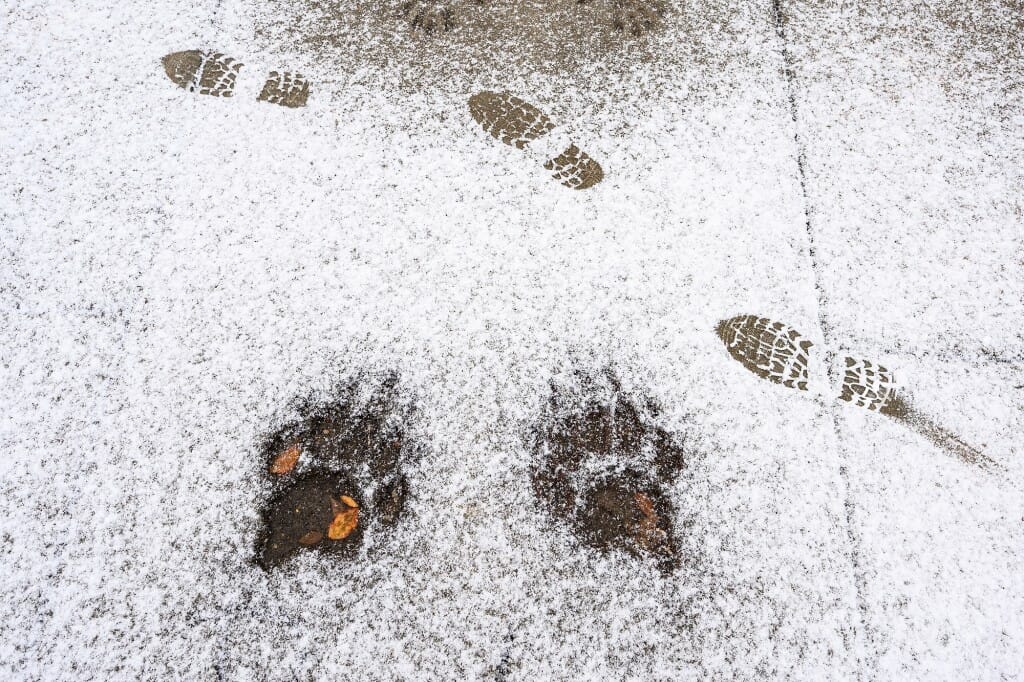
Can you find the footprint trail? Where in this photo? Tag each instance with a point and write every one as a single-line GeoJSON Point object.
{"type": "Point", "coordinates": [779, 353]}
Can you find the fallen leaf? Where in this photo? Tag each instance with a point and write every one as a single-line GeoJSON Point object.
{"type": "Point", "coordinates": [311, 538]}
{"type": "Point", "coordinates": [646, 506]}
{"type": "Point", "coordinates": [343, 524]}
{"type": "Point", "coordinates": [648, 534]}
{"type": "Point", "coordinates": [286, 461]}
{"type": "Point", "coordinates": [340, 505]}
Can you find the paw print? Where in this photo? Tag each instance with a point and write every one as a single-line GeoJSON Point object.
{"type": "Point", "coordinates": [633, 18]}
{"type": "Point", "coordinates": [429, 17]}
{"type": "Point", "coordinates": [602, 468]}
{"type": "Point", "coordinates": [638, 17]}
{"type": "Point", "coordinates": [337, 476]}
{"type": "Point", "coordinates": [433, 16]}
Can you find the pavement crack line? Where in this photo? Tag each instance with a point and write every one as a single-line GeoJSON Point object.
{"type": "Point", "coordinates": [217, 6]}
{"type": "Point", "coordinates": [849, 506]}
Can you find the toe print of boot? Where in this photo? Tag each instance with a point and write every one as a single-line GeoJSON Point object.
{"type": "Point", "coordinates": [602, 470]}
{"type": "Point", "coordinates": [214, 73]}
{"type": "Point", "coordinates": [336, 476]}
{"type": "Point", "coordinates": [518, 123]}
{"type": "Point", "coordinates": [208, 73]}
{"type": "Point", "coordinates": [779, 353]}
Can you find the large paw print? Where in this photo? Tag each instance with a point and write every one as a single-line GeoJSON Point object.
{"type": "Point", "coordinates": [336, 476]}
{"type": "Point", "coordinates": [602, 468]}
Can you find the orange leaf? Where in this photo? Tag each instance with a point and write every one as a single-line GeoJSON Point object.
{"type": "Point", "coordinates": [311, 538]}
{"type": "Point", "coordinates": [343, 524]}
{"type": "Point", "coordinates": [349, 501]}
{"type": "Point", "coordinates": [286, 461]}
{"type": "Point", "coordinates": [646, 506]}
{"type": "Point", "coordinates": [648, 535]}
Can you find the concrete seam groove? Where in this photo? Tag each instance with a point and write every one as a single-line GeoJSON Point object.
{"type": "Point", "coordinates": [853, 538]}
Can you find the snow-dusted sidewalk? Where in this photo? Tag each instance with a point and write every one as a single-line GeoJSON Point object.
{"type": "Point", "coordinates": [178, 271]}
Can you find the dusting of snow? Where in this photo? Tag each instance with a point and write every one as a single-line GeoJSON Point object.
{"type": "Point", "coordinates": [178, 272]}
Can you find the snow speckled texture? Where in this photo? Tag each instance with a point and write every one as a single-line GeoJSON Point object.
{"type": "Point", "coordinates": [179, 271]}
{"type": "Point", "coordinates": [912, 118]}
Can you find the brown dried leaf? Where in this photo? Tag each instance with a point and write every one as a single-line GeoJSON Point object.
{"type": "Point", "coordinates": [646, 507]}
{"type": "Point", "coordinates": [311, 538]}
{"type": "Point", "coordinates": [343, 524]}
{"type": "Point", "coordinates": [648, 534]}
{"type": "Point", "coordinates": [286, 461]}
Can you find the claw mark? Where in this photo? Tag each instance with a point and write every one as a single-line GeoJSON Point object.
{"type": "Point", "coordinates": [429, 17]}
{"type": "Point", "coordinates": [635, 18]}
{"type": "Point", "coordinates": [638, 17]}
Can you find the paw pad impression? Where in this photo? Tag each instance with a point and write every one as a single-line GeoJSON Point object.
{"type": "Point", "coordinates": [336, 475]}
{"type": "Point", "coordinates": [602, 470]}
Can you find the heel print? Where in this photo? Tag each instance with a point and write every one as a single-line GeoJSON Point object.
{"type": "Point", "coordinates": [575, 169]}
{"type": "Point", "coordinates": [872, 386]}
{"type": "Point", "coordinates": [285, 88]}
